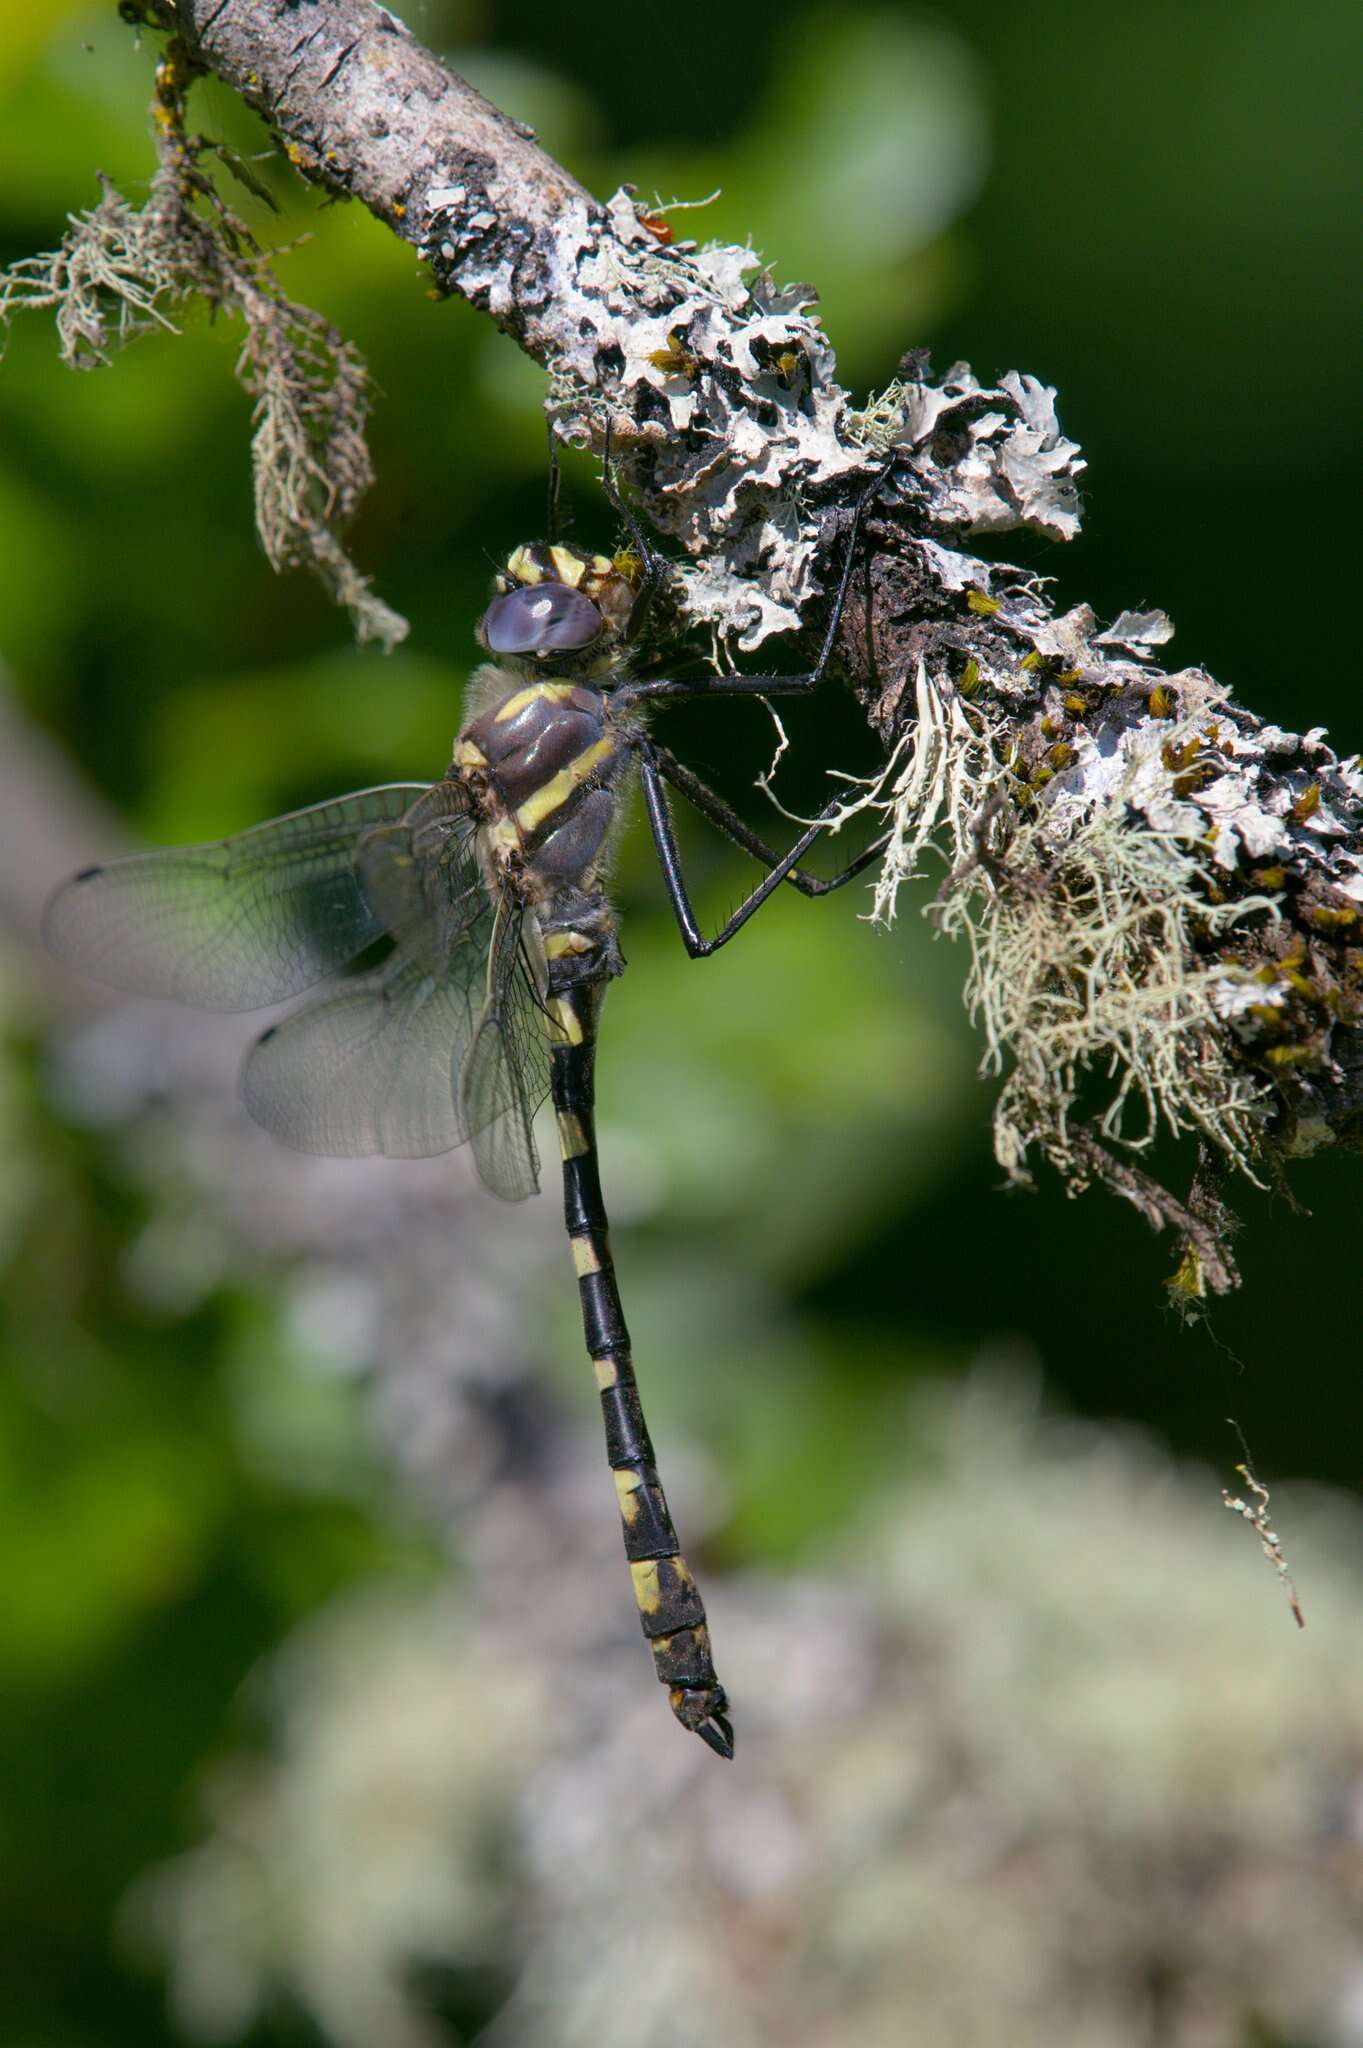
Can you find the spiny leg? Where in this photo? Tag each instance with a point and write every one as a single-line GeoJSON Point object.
{"type": "Point", "coordinates": [726, 819]}
{"type": "Point", "coordinates": [669, 860]}
{"type": "Point", "coordinates": [670, 1606]}
{"type": "Point", "coordinates": [653, 568]}
{"type": "Point", "coordinates": [651, 766]}
{"type": "Point", "coordinates": [554, 486]}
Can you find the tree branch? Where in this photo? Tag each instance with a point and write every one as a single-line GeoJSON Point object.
{"type": "Point", "coordinates": [1154, 885]}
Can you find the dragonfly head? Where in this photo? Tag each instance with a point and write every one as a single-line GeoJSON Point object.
{"type": "Point", "coordinates": [558, 604]}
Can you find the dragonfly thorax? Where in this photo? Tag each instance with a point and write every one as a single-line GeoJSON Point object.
{"type": "Point", "coordinates": [543, 762]}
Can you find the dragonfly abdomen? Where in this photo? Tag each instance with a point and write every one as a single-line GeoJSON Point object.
{"type": "Point", "coordinates": [670, 1606]}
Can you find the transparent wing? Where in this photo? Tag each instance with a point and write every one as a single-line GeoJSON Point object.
{"type": "Point", "coordinates": [420, 872]}
{"type": "Point", "coordinates": [371, 1066]}
{"type": "Point", "coordinates": [236, 924]}
{"type": "Point", "coordinates": [505, 1072]}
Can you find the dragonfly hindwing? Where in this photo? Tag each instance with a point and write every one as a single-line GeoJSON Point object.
{"type": "Point", "coordinates": [504, 1077]}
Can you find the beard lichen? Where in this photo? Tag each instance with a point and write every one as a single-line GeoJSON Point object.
{"type": "Point", "coordinates": [1097, 974]}
{"type": "Point", "coordinates": [122, 271]}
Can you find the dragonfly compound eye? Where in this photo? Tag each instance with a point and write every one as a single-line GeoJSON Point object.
{"type": "Point", "coordinates": [540, 618]}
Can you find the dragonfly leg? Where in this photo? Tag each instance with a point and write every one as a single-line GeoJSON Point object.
{"type": "Point", "coordinates": [669, 860]}
{"type": "Point", "coordinates": [726, 819]}
{"type": "Point", "coordinates": [555, 481]}
{"type": "Point", "coordinates": [670, 1606]}
{"type": "Point", "coordinates": [654, 569]}
{"type": "Point", "coordinates": [665, 689]}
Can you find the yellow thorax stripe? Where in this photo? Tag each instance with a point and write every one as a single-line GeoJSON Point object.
{"type": "Point", "coordinates": [553, 693]}
{"type": "Point", "coordinates": [556, 792]}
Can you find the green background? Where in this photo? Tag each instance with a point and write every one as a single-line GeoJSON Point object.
{"type": "Point", "coordinates": [1153, 208]}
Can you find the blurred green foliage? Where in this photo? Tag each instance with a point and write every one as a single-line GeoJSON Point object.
{"type": "Point", "coordinates": [1145, 207]}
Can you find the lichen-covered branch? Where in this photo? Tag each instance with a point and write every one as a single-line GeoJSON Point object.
{"type": "Point", "coordinates": [1161, 894]}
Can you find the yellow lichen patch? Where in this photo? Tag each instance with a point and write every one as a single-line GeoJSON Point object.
{"type": "Point", "coordinates": [1268, 878]}
{"type": "Point", "coordinates": [586, 1258]}
{"type": "Point", "coordinates": [1183, 755]}
{"type": "Point", "coordinates": [644, 1572]}
{"type": "Point", "coordinates": [1161, 701]}
{"type": "Point", "coordinates": [676, 360]}
{"type": "Point", "coordinates": [1307, 804]}
{"type": "Point", "coordinates": [560, 787]}
{"type": "Point", "coordinates": [982, 604]}
{"type": "Point", "coordinates": [1196, 778]}
{"type": "Point", "coordinates": [572, 1139]}
{"type": "Point", "coordinates": [1333, 920]}
{"type": "Point", "coordinates": [1290, 1055]}
{"type": "Point", "coordinates": [1186, 1283]}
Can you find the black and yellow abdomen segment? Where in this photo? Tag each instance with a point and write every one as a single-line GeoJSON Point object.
{"type": "Point", "coordinates": [670, 1606]}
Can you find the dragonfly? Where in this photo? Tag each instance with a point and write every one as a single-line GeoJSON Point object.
{"type": "Point", "coordinates": [489, 887]}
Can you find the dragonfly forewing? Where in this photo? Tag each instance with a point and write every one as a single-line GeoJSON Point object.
{"type": "Point", "coordinates": [235, 924]}
{"type": "Point", "coordinates": [420, 873]}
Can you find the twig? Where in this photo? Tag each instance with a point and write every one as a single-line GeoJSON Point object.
{"type": "Point", "coordinates": [1256, 1514]}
